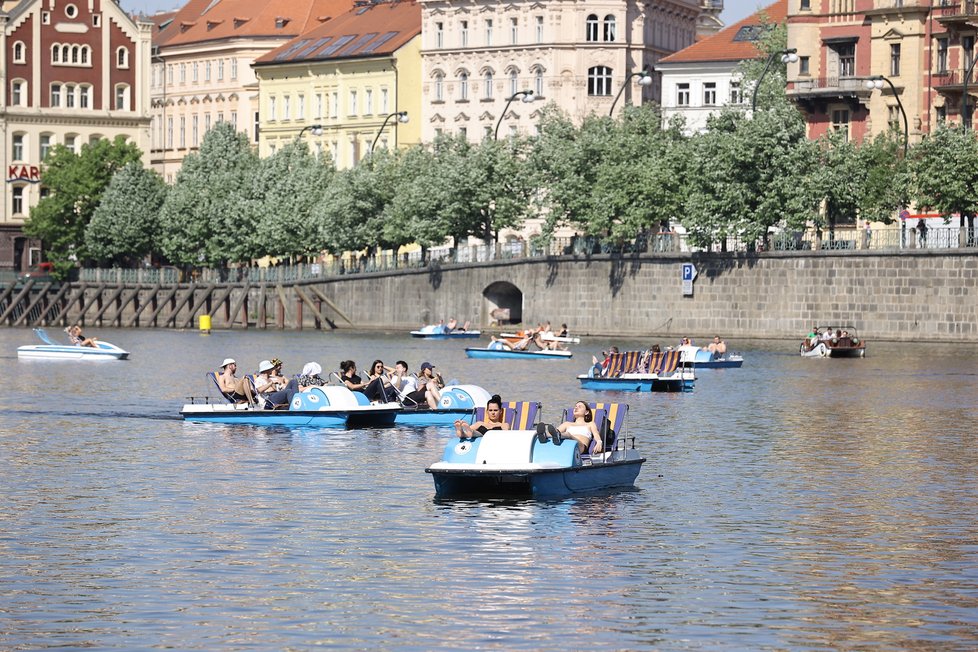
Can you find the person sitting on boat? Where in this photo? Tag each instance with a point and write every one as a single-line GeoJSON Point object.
{"type": "Point", "coordinates": [429, 384]}
{"type": "Point", "coordinates": [75, 337]}
{"type": "Point", "coordinates": [238, 389]}
{"type": "Point", "coordinates": [310, 377]}
{"type": "Point", "coordinates": [492, 421]}
{"type": "Point", "coordinates": [465, 326]}
{"type": "Point", "coordinates": [270, 392]}
{"type": "Point", "coordinates": [717, 347]}
{"type": "Point", "coordinates": [401, 379]}
{"type": "Point", "coordinates": [451, 325]}
{"type": "Point", "coordinates": [601, 368]}
{"type": "Point", "coordinates": [373, 388]}
{"type": "Point", "coordinates": [276, 373]}
{"type": "Point", "coordinates": [563, 331]}
{"type": "Point", "coordinates": [582, 429]}
{"type": "Point", "coordinates": [545, 339]}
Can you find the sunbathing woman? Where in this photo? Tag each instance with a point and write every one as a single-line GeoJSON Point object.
{"type": "Point", "coordinates": [75, 337]}
{"type": "Point", "coordinates": [492, 421]}
{"type": "Point", "coordinates": [581, 429]}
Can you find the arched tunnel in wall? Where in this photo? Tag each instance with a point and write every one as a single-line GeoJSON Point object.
{"type": "Point", "coordinates": [504, 303]}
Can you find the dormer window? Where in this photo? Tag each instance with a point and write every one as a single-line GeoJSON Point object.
{"type": "Point", "coordinates": [238, 22]}
{"type": "Point", "coordinates": [211, 24]}
{"type": "Point", "coordinates": [280, 22]}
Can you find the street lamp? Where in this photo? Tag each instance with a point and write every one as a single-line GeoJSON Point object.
{"type": "Point", "coordinates": [526, 96]}
{"type": "Point", "coordinates": [791, 54]}
{"type": "Point", "coordinates": [317, 130]}
{"type": "Point", "coordinates": [964, 94]}
{"type": "Point", "coordinates": [644, 79]}
{"type": "Point", "coordinates": [876, 82]}
{"type": "Point", "coordinates": [402, 117]}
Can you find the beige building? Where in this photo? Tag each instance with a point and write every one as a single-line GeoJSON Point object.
{"type": "Point", "coordinates": [478, 55]}
{"type": "Point", "coordinates": [73, 72]}
{"type": "Point", "coordinates": [345, 85]}
{"type": "Point", "coordinates": [202, 70]}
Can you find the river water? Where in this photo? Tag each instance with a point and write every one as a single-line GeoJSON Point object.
{"type": "Point", "coordinates": [791, 504]}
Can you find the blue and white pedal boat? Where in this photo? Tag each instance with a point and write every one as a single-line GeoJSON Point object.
{"type": "Point", "coordinates": [457, 402]}
{"type": "Point", "coordinates": [496, 350]}
{"type": "Point", "coordinates": [52, 350]}
{"type": "Point", "coordinates": [439, 332]}
{"type": "Point", "coordinates": [641, 371]}
{"type": "Point", "coordinates": [517, 463]}
{"type": "Point", "coordinates": [320, 407]}
{"type": "Point", "coordinates": [702, 359]}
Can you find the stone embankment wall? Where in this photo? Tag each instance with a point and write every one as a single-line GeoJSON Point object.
{"type": "Point", "coordinates": [916, 296]}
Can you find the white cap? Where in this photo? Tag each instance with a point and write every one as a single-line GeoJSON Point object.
{"type": "Point", "coordinates": [265, 365]}
{"type": "Point", "coordinates": [312, 369]}
{"type": "Point", "coordinates": [227, 361]}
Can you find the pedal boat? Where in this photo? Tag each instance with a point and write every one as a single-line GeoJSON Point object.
{"type": "Point", "coordinates": [518, 336]}
{"type": "Point", "coordinates": [498, 350]}
{"type": "Point", "coordinates": [320, 407]}
{"type": "Point", "coordinates": [439, 332]}
{"type": "Point", "coordinates": [457, 402]}
{"type": "Point", "coordinates": [704, 359]}
{"type": "Point", "coordinates": [852, 346]}
{"type": "Point", "coordinates": [641, 371]}
{"type": "Point", "coordinates": [516, 463]}
{"type": "Point", "coordinates": [52, 350]}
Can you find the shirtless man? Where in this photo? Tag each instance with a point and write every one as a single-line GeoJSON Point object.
{"type": "Point", "coordinates": [237, 388]}
{"type": "Point", "coordinates": [717, 347]}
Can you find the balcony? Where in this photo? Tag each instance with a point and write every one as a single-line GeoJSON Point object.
{"type": "Point", "coordinates": [957, 15]}
{"type": "Point", "coordinates": [829, 88]}
{"type": "Point", "coordinates": [950, 81]}
{"type": "Point", "coordinates": [888, 7]}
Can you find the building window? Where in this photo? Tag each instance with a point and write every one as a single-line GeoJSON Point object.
{"type": "Point", "coordinates": [183, 131]}
{"type": "Point", "coordinates": [463, 87]}
{"type": "Point", "coordinates": [736, 93]}
{"type": "Point", "coordinates": [709, 94]}
{"type": "Point", "coordinates": [207, 122]}
{"type": "Point", "coordinates": [513, 30]}
{"type": "Point", "coordinates": [805, 5]}
{"type": "Point", "coordinates": [207, 71]}
{"type": "Point", "coordinates": [967, 48]}
{"type": "Point", "coordinates": [18, 92]}
{"type": "Point", "coordinates": [169, 133]}
{"type": "Point", "coordinates": [45, 148]}
{"type": "Point", "coordinates": [840, 122]}
{"type": "Point", "coordinates": [682, 94]}
{"type": "Point", "coordinates": [942, 55]}
{"type": "Point", "coordinates": [539, 29]}
{"type": "Point", "coordinates": [122, 97]}
{"type": "Point", "coordinates": [71, 11]}
{"type": "Point", "coordinates": [17, 200]}
{"type": "Point", "coordinates": [609, 28]}
{"type": "Point", "coordinates": [941, 114]}
{"type": "Point", "coordinates": [319, 105]}
{"type": "Point", "coordinates": [195, 130]}
{"type": "Point", "coordinates": [234, 69]}
{"type": "Point", "coordinates": [183, 73]}
{"type": "Point", "coordinates": [96, 20]}
{"type": "Point", "coordinates": [20, 52]}
{"type": "Point", "coordinates": [169, 75]}
{"type": "Point", "coordinates": [69, 96]}
{"type": "Point", "coordinates": [220, 70]}
{"type": "Point", "coordinates": [894, 116]}
{"type": "Point", "coordinates": [538, 83]}
{"type": "Point", "coordinates": [300, 109]}
{"type": "Point", "coordinates": [195, 72]}
{"type": "Point", "coordinates": [352, 107]}
{"type": "Point", "coordinates": [439, 35]}
{"type": "Point", "coordinates": [287, 107]}
{"type": "Point", "coordinates": [439, 87]}
{"type": "Point", "coordinates": [591, 29]}
{"type": "Point", "coordinates": [464, 34]}
{"type": "Point", "coordinates": [85, 50]}
{"type": "Point", "coordinates": [85, 96]}
{"type": "Point", "coordinates": [847, 59]}
{"type": "Point", "coordinates": [18, 147]}
{"type": "Point", "coordinates": [71, 142]}
{"type": "Point", "coordinates": [385, 106]}
{"type": "Point", "coordinates": [514, 85]}
{"type": "Point", "coordinates": [599, 80]}
{"type": "Point", "coordinates": [45, 17]}
{"type": "Point", "coordinates": [334, 105]}
{"type": "Point", "coordinates": [122, 58]}
{"type": "Point", "coordinates": [368, 101]}
{"type": "Point", "coordinates": [488, 32]}
{"type": "Point", "coordinates": [271, 107]}
{"type": "Point", "coordinates": [55, 95]}
{"type": "Point", "coordinates": [487, 86]}
{"type": "Point", "coordinates": [234, 120]}
{"type": "Point", "coordinates": [895, 60]}
{"type": "Point", "coordinates": [803, 66]}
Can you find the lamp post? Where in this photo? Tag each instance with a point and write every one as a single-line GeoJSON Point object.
{"type": "Point", "coordinates": [644, 79]}
{"type": "Point", "coordinates": [964, 94]}
{"type": "Point", "coordinates": [876, 82]}
{"type": "Point", "coordinates": [526, 96]}
{"type": "Point", "coordinates": [791, 54]}
{"type": "Point", "coordinates": [317, 130]}
{"type": "Point", "coordinates": [402, 117]}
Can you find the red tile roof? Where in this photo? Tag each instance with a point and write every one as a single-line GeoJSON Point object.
{"type": "Point", "coordinates": [211, 20]}
{"type": "Point", "coordinates": [373, 29]}
{"type": "Point", "coordinates": [732, 43]}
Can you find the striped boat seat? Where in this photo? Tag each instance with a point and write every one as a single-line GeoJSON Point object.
{"type": "Point", "coordinates": [520, 415]}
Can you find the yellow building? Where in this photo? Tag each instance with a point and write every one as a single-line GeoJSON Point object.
{"type": "Point", "coordinates": [345, 85]}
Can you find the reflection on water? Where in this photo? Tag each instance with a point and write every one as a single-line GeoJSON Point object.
{"type": "Point", "coordinates": [793, 503]}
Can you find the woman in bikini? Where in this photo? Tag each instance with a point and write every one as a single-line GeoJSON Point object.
{"type": "Point", "coordinates": [581, 429]}
{"type": "Point", "coordinates": [492, 421]}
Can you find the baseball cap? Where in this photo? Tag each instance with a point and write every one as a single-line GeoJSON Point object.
{"type": "Point", "coordinates": [427, 365]}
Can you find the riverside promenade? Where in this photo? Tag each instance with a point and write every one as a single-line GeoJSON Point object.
{"type": "Point", "coordinates": [927, 295]}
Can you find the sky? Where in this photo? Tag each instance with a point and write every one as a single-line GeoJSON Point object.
{"type": "Point", "coordinates": [733, 10]}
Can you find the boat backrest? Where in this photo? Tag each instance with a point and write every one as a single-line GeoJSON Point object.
{"type": "Point", "coordinates": [215, 376]}
{"type": "Point", "coordinates": [663, 362]}
{"type": "Point", "coordinates": [520, 415]}
{"type": "Point", "coordinates": [609, 419]}
{"type": "Point", "coordinates": [623, 363]}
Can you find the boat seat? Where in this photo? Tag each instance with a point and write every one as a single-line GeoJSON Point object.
{"type": "Point", "coordinates": [502, 448]}
{"type": "Point", "coordinates": [609, 419]}
{"type": "Point", "coordinates": [662, 362]}
{"type": "Point", "coordinates": [520, 415]}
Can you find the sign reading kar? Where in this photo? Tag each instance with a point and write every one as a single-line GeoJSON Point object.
{"type": "Point", "coordinates": [28, 173]}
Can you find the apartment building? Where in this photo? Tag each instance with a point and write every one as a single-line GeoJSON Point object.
{"type": "Point", "coordinates": [73, 72]}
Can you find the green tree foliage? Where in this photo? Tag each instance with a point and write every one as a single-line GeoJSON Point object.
{"type": "Point", "coordinates": [945, 172]}
{"type": "Point", "coordinates": [75, 186]}
{"type": "Point", "coordinates": [125, 227]}
{"type": "Point", "coordinates": [204, 217]}
{"type": "Point", "coordinates": [285, 188]}
{"type": "Point", "coordinates": [771, 42]}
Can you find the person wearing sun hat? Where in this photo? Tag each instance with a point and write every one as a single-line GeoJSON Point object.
{"type": "Point", "coordinates": [238, 389]}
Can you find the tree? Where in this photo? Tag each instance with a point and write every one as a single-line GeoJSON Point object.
{"type": "Point", "coordinates": [945, 174]}
{"type": "Point", "coordinates": [204, 218]}
{"type": "Point", "coordinates": [125, 227]}
{"type": "Point", "coordinates": [75, 186]}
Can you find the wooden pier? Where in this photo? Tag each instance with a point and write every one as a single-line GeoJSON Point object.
{"type": "Point", "coordinates": [295, 305]}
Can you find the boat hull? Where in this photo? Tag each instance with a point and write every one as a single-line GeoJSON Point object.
{"type": "Point", "coordinates": [729, 363]}
{"type": "Point", "coordinates": [821, 350]}
{"type": "Point", "coordinates": [374, 417]}
{"type": "Point", "coordinates": [464, 335]}
{"type": "Point", "coordinates": [438, 417]}
{"type": "Point", "coordinates": [71, 352]}
{"type": "Point", "coordinates": [496, 354]}
{"type": "Point", "coordinates": [538, 483]}
{"type": "Point", "coordinates": [638, 383]}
